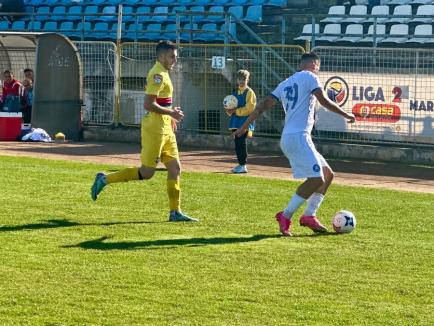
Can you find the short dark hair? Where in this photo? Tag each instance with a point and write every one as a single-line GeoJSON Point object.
{"type": "Point", "coordinates": [28, 70]}
{"type": "Point", "coordinates": [164, 46]}
{"type": "Point", "coordinates": [310, 56]}
{"type": "Point", "coordinates": [7, 72]}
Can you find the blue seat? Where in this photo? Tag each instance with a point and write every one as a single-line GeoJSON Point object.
{"type": "Point", "coordinates": [222, 2]}
{"type": "Point", "coordinates": [29, 10]}
{"type": "Point", "coordinates": [74, 12]}
{"type": "Point", "coordinates": [83, 30]}
{"type": "Point", "coordinates": [129, 2]}
{"type": "Point", "coordinates": [143, 18]}
{"type": "Point", "coordinates": [50, 3]}
{"type": "Point", "coordinates": [34, 26]}
{"type": "Point", "coordinates": [182, 18]}
{"type": "Point", "coordinates": [209, 35]}
{"type": "Point", "coordinates": [113, 32]}
{"type": "Point", "coordinates": [253, 14]}
{"type": "Point", "coordinates": [239, 2]}
{"type": "Point", "coordinates": [215, 18]}
{"type": "Point", "coordinates": [134, 32]}
{"type": "Point", "coordinates": [57, 13]}
{"type": "Point", "coordinates": [165, 2]}
{"type": "Point", "coordinates": [185, 2]}
{"type": "Point", "coordinates": [18, 25]}
{"type": "Point", "coordinates": [69, 3]}
{"type": "Point", "coordinates": [43, 10]}
{"type": "Point", "coordinates": [127, 14]}
{"type": "Point", "coordinates": [66, 28]}
{"type": "Point", "coordinates": [50, 26]}
{"type": "Point", "coordinates": [110, 14]}
{"type": "Point", "coordinates": [276, 3]}
{"type": "Point", "coordinates": [202, 2]}
{"type": "Point", "coordinates": [237, 11]}
{"type": "Point", "coordinates": [4, 25]}
{"type": "Point", "coordinates": [100, 31]}
{"type": "Point", "coordinates": [170, 32]}
{"type": "Point", "coordinates": [160, 10]}
{"type": "Point", "coordinates": [148, 2]}
{"type": "Point", "coordinates": [153, 32]}
{"type": "Point", "coordinates": [90, 11]}
{"type": "Point", "coordinates": [96, 2]}
{"type": "Point", "coordinates": [232, 30]}
{"type": "Point", "coordinates": [188, 32]}
{"type": "Point", "coordinates": [198, 17]}
{"type": "Point", "coordinates": [118, 2]}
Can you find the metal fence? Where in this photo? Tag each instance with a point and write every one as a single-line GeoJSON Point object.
{"type": "Point", "coordinates": [99, 62]}
{"type": "Point", "coordinates": [203, 76]}
{"type": "Point", "coordinates": [389, 90]}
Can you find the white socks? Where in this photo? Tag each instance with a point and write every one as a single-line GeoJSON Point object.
{"type": "Point", "coordinates": [295, 202]}
{"type": "Point", "coordinates": [313, 203]}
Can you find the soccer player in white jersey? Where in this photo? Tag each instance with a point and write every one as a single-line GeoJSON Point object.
{"type": "Point", "coordinates": [298, 95]}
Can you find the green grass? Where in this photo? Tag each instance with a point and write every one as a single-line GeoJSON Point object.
{"type": "Point", "coordinates": [66, 260]}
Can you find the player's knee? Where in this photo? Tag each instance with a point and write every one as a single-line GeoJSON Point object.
{"type": "Point", "coordinates": [174, 171]}
{"type": "Point", "coordinates": [328, 175]}
{"type": "Point", "coordinates": [146, 173]}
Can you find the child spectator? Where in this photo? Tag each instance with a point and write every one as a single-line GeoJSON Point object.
{"type": "Point", "coordinates": [27, 100]}
{"type": "Point", "coordinates": [28, 73]}
{"type": "Point", "coordinates": [246, 104]}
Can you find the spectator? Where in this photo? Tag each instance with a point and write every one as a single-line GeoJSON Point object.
{"type": "Point", "coordinates": [11, 92]}
{"type": "Point", "coordinates": [246, 104]}
{"type": "Point", "coordinates": [27, 100]}
{"type": "Point", "coordinates": [29, 74]}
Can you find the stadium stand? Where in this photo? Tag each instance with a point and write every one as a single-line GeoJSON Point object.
{"type": "Point", "coordinates": [422, 34]}
{"type": "Point", "coordinates": [353, 33]}
{"type": "Point", "coordinates": [352, 22]}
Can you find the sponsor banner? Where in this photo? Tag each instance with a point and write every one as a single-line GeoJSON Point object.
{"type": "Point", "coordinates": [400, 105]}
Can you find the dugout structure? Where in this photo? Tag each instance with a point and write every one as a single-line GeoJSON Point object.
{"type": "Point", "coordinates": [57, 89]}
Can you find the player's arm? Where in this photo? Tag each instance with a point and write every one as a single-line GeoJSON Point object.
{"type": "Point", "coordinates": [332, 106]}
{"type": "Point", "coordinates": [266, 104]}
{"type": "Point", "coordinates": [151, 105]}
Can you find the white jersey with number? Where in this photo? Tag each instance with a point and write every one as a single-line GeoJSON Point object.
{"type": "Point", "coordinates": [295, 94]}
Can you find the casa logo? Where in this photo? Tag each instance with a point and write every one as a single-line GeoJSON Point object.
{"type": "Point", "coordinates": [388, 113]}
{"type": "Point", "coordinates": [337, 90]}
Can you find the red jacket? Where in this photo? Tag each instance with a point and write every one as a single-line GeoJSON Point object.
{"type": "Point", "coordinates": [12, 88]}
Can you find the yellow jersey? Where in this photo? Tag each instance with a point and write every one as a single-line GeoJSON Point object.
{"type": "Point", "coordinates": [160, 85]}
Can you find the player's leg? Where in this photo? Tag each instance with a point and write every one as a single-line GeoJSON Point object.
{"type": "Point", "coordinates": [170, 158]}
{"type": "Point", "coordinates": [149, 156]}
{"type": "Point", "coordinates": [316, 198]}
{"type": "Point", "coordinates": [241, 151]}
{"type": "Point", "coordinates": [305, 164]}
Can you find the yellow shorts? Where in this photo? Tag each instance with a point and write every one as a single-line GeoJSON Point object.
{"type": "Point", "coordinates": [158, 147]}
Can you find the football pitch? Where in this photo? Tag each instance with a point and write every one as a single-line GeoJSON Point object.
{"type": "Point", "coordinates": [66, 260]}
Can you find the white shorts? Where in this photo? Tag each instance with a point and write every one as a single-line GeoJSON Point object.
{"type": "Point", "coordinates": [305, 160]}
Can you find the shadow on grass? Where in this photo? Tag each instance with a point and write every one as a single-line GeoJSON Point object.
{"type": "Point", "coordinates": [99, 244]}
{"type": "Point", "coordinates": [49, 224]}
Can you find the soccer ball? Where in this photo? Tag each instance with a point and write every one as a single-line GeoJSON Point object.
{"type": "Point", "coordinates": [230, 102]}
{"type": "Point", "coordinates": [344, 222]}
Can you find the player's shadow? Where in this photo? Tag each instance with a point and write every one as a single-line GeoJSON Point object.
{"type": "Point", "coordinates": [62, 223]}
{"type": "Point", "coordinates": [100, 244]}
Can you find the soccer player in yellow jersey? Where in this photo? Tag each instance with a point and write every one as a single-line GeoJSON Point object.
{"type": "Point", "coordinates": [157, 134]}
